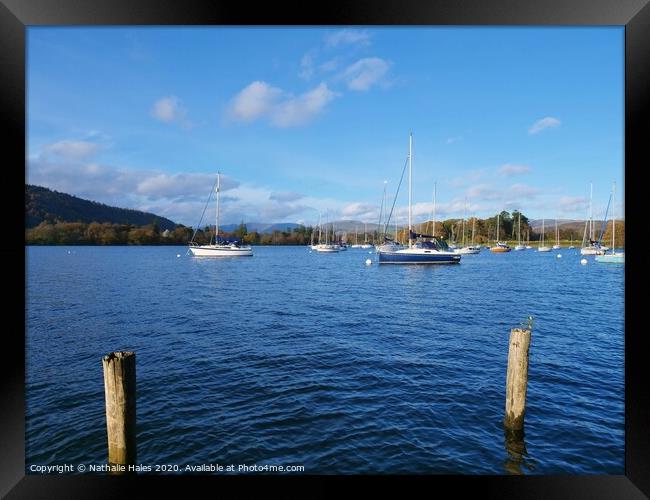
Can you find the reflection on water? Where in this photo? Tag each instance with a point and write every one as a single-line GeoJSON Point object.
{"type": "Point", "coordinates": [517, 454]}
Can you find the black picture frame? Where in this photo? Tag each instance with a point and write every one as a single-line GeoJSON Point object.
{"type": "Point", "coordinates": [16, 15]}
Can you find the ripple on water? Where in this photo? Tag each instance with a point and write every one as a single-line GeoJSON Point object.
{"type": "Point", "coordinates": [295, 357]}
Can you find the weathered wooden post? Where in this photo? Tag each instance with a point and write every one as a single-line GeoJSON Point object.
{"type": "Point", "coordinates": [517, 378]}
{"type": "Point", "coordinates": [119, 391]}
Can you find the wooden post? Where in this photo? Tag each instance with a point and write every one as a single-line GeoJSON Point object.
{"type": "Point", "coordinates": [517, 379]}
{"type": "Point", "coordinates": [119, 391]}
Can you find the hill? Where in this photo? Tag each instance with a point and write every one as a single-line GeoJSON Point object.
{"type": "Point", "coordinates": [261, 227]}
{"type": "Point", "coordinates": [43, 204]}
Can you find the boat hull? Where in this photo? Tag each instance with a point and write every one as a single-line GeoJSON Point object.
{"type": "Point", "coordinates": [468, 250]}
{"type": "Point", "coordinates": [611, 259]}
{"type": "Point", "coordinates": [591, 251]}
{"type": "Point", "coordinates": [221, 251]}
{"type": "Point", "coordinates": [327, 248]}
{"type": "Point", "coordinates": [408, 256]}
{"type": "Point", "coordinates": [499, 250]}
{"type": "Point", "coordinates": [520, 247]}
{"type": "Point", "coordinates": [544, 249]}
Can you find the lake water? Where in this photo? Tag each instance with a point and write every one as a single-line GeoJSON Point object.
{"type": "Point", "coordinates": [298, 358]}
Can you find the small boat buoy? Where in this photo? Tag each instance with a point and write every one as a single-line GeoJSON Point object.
{"type": "Point", "coordinates": [559, 256]}
{"type": "Point", "coordinates": [583, 262]}
{"type": "Point", "coordinates": [370, 251]}
{"type": "Point", "coordinates": [178, 255]}
{"type": "Point", "coordinates": [368, 262]}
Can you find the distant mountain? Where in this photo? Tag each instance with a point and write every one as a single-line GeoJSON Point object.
{"type": "Point", "coordinates": [43, 204]}
{"type": "Point", "coordinates": [260, 227]}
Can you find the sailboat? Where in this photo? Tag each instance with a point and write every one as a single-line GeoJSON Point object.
{"type": "Point", "coordinates": [528, 247]}
{"type": "Point", "coordinates": [542, 247]}
{"type": "Point", "coordinates": [366, 244]}
{"type": "Point", "coordinates": [469, 249]}
{"type": "Point", "coordinates": [612, 258]}
{"type": "Point", "coordinates": [356, 238]}
{"type": "Point", "coordinates": [433, 251]}
{"type": "Point", "coordinates": [519, 245]}
{"type": "Point", "coordinates": [326, 247]}
{"type": "Point", "coordinates": [220, 248]}
{"type": "Point", "coordinates": [557, 237]}
{"type": "Point", "coordinates": [590, 247]}
{"type": "Point", "coordinates": [499, 247]}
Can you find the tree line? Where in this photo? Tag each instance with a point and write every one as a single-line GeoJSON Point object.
{"type": "Point", "coordinates": [485, 231]}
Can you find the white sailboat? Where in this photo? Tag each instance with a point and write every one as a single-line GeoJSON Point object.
{"type": "Point", "coordinates": [613, 257]}
{"type": "Point", "coordinates": [590, 246]}
{"type": "Point", "coordinates": [326, 247]}
{"type": "Point", "coordinates": [220, 248]}
{"type": "Point", "coordinates": [469, 249]}
{"type": "Point", "coordinates": [500, 246]}
{"type": "Point", "coordinates": [356, 237]}
{"type": "Point", "coordinates": [366, 244]}
{"type": "Point", "coordinates": [528, 246]}
{"type": "Point", "coordinates": [421, 251]}
{"type": "Point", "coordinates": [557, 237]}
{"type": "Point", "coordinates": [542, 247]}
{"type": "Point", "coordinates": [519, 246]}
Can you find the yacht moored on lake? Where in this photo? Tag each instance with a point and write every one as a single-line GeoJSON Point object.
{"type": "Point", "coordinates": [221, 247]}
{"type": "Point", "coordinates": [420, 251]}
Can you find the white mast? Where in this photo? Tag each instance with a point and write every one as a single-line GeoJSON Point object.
{"type": "Point", "coordinates": [216, 227]}
{"type": "Point", "coordinates": [542, 232]}
{"type": "Point", "coordinates": [410, 184]}
{"type": "Point", "coordinates": [433, 233]}
{"type": "Point", "coordinates": [320, 228]}
{"type": "Point", "coordinates": [591, 213]}
{"type": "Point", "coordinates": [464, 210]}
{"type": "Point", "coordinates": [385, 209]}
{"type": "Point", "coordinates": [473, 227]}
{"type": "Point", "coordinates": [613, 217]}
{"type": "Point", "coordinates": [497, 235]}
{"type": "Point", "coordinates": [519, 231]}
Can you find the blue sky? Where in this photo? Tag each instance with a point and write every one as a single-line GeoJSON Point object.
{"type": "Point", "coordinates": [302, 120]}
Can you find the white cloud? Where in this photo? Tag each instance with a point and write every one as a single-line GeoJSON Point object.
{"type": "Point", "coordinates": [255, 100]}
{"type": "Point", "coordinates": [170, 110]}
{"type": "Point", "coordinates": [542, 124]}
{"type": "Point", "coordinates": [259, 99]}
{"type": "Point", "coordinates": [299, 110]}
{"type": "Point", "coordinates": [363, 211]}
{"type": "Point", "coordinates": [72, 150]}
{"type": "Point", "coordinates": [573, 204]}
{"type": "Point", "coordinates": [509, 170]}
{"type": "Point", "coordinates": [365, 73]}
{"type": "Point", "coordinates": [347, 37]}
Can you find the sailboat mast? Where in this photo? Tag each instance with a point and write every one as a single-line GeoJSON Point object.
{"type": "Point", "coordinates": [519, 231]}
{"type": "Point", "coordinates": [216, 227]}
{"type": "Point", "coordinates": [464, 213]}
{"type": "Point", "coordinates": [320, 228]}
{"type": "Point", "coordinates": [473, 228]}
{"type": "Point", "coordinates": [497, 235]}
{"type": "Point", "coordinates": [542, 232]}
{"type": "Point", "coordinates": [410, 183]}
{"type": "Point", "coordinates": [591, 212]}
{"type": "Point", "coordinates": [383, 203]}
{"type": "Point", "coordinates": [433, 233]}
{"type": "Point", "coordinates": [613, 218]}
